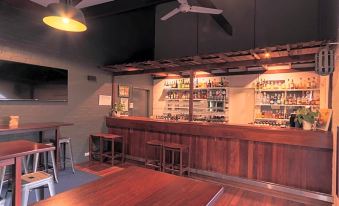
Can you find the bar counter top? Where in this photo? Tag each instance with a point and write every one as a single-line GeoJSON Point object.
{"type": "Point", "coordinates": [289, 136]}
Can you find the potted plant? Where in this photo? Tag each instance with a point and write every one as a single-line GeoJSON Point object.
{"type": "Point", "coordinates": [306, 117]}
{"type": "Point", "coordinates": [117, 109]}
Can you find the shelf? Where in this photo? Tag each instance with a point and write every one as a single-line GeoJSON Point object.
{"type": "Point", "coordinates": [272, 119]}
{"type": "Point", "coordinates": [214, 100]}
{"type": "Point", "coordinates": [286, 90]}
{"type": "Point", "coordinates": [186, 89]}
{"type": "Point", "coordinates": [288, 105]}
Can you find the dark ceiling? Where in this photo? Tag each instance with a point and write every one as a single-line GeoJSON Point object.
{"type": "Point", "coordinates": [100, 10]}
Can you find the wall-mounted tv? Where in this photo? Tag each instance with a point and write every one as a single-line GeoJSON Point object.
{"type": "Point", "coordinates": [20, 81]}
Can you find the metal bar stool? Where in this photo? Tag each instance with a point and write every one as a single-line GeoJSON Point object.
{"type": "Point", "coordinates": [113, 138]}
{"type": "Point", "coordinates": [179, 165]}
{"type": "Point", "coordinates": [36, 162]}
{"type": "Point", "coordinates": [157, 146]}
{"type": "Point", "coordinates": [63, 142]}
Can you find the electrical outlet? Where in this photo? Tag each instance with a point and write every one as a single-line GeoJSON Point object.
{"type": "Point", "coordinates": [86, 154]}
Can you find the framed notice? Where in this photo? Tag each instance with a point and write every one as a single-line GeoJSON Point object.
{"type": "Point", "coordinates": [123, 91]}
{"type": "Point", "coordinates": [324, 119]}
{"type": "Point", "coordinates": [124, 102]}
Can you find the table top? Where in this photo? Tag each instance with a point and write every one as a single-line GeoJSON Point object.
{"type": "Point", "coordinates": [28, 127]}
{"type": "Point", "coordinates": [21, 148]}
{"type": "Point", "coordinates": [139, 186]}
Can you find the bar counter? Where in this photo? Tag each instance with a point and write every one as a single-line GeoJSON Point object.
{"type": "Point", "coordinates": [286, 156]}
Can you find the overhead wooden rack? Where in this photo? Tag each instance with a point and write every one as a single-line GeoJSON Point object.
{"type": "Point", "coordinates": [299, 56]}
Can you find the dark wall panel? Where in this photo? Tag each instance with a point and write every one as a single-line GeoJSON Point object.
{"type": "Point", "coordinates": [256, 23]}
{"type": "Point", "coordinates": [175, 37]}
{"type": "Point", "coordinates": [286, 21]}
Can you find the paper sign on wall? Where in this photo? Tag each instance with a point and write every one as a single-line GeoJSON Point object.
{"type": "Point", "coordinates": [105, 100]}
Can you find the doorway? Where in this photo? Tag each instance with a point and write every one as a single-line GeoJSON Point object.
{"type": "Point", "coordinates": [140, 99]}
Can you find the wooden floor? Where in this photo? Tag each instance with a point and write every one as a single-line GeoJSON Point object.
{"type": "Point", "coordinates": [234, 195]}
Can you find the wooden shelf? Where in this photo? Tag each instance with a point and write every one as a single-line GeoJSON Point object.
{"type": "Point", "coordinates": [272, 119]}
{"type": "Point", "coordinates": [288, 105]}
{"type": "Point", "coordinates": [285, 90]}
{"type": "Point", "coordinates": [187, 89]}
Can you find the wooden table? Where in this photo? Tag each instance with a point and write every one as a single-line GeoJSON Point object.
{"type": "Point", "coordinates": [37, 127]}
{"type": "Point", "coordinates": [139, 186]}
{"type": "Point", "coordinates": [11, 154]}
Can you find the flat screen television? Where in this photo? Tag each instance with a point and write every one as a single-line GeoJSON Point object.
{"type": "Point", "coordinates": [20, 81]}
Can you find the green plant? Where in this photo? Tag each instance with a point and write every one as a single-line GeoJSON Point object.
{"type": "Point", "coordinates": [307, 115]}
{"type": "Point", "coordinates": [118, 107]}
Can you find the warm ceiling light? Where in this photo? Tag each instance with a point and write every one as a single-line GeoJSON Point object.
{"type": "Point", "coordinates": [65, 17]}
{"type": "Point", "coordinates": [267, 55]}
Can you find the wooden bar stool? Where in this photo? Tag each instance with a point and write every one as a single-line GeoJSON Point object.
{"type": "Point", "coordinates": [157, 146]}
{"type": "Point", "coordinates": [113, 138]}
{"type": "Point", "coordinates": [176, 166]}
{"type": "Point", "coordinates": [94, 152]}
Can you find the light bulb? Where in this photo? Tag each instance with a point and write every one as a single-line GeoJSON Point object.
{"type": "Point", "coordinates": [65, 20]}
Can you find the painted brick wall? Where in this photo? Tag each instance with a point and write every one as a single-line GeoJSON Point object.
{"type": "Point", "coordinates": [81, 109]}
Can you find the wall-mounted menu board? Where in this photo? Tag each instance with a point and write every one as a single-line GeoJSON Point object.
{"type": "Point", "coordinates": [20, 81]}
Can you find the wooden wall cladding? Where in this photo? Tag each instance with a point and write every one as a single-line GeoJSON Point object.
{"type": "Point", "coordinates": [301, 167]}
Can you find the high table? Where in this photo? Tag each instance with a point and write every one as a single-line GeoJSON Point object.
{"type": "Point", "coordinates": [142, 187]}
{"type": "Point", "coordinates": [11, 154]}
{"type": "Point", "coordinates": [37, 127]}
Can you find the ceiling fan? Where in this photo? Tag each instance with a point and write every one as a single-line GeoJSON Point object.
{"type": "Point", "coordinates": [186, 8]}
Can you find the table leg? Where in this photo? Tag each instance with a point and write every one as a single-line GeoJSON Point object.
{"type": "Point", "coordinates": [57, 150]}
{"type": "Point", "coordinates": [16, 182]}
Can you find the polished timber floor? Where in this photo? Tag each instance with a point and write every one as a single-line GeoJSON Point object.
{"type": "Point", "coordinates": [234, 195]}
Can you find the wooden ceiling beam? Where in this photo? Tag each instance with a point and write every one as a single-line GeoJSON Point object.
{"type": "Point", "coordinates": [247, 63]}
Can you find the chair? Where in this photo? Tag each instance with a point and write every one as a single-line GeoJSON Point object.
{"type": "Point", "coordinates": [153, 161]}
{"type": "Point", "coordinates": [63, 142]}
{"type": "Point", "coordinates": [176, 166]}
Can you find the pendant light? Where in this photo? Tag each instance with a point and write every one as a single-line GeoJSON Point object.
{"type": "Point", "coordinates": [65, 17]}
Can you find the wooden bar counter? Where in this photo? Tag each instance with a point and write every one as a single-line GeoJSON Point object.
{"type": "Point", "coordinates": [285, 156]}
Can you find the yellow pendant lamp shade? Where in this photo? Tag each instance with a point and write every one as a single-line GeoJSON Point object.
{"type": "Point", "coordinates": [65, 17]}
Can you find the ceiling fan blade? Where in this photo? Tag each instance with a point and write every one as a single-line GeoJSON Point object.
{"type": "Point", "coordinates": [44, 3]}
{"type": "Point", "coordinates": [220, 19]}
{"type": "Point", "coordinates": [170, 14]}
{"type": "Point", "coordinates": [88, 3]}
{"type": "Point", "coordinates": [182, 1]}
{"type": "Point", "coordinates": [198, 9]}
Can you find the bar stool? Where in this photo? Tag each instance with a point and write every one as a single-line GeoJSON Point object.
{"type": "Point", "coordinates": [102, 139]}
{"type": "Point", "coordinates": [113, 138]}
{"type": "Point", "coordinates": [63, 142]}
{"type": "Point", "coordinates": [34, 181]}
{"type": "Point", "coordinates": [36, 162]}
{"type": "Point", "coordinates": [94, 153]}
{"type": "Point", "coordinates": [157, 146]}
{"type": "Point", "coordinates": [174, 166]}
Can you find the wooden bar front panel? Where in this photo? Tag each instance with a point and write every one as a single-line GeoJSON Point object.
{"type": "Point", "coordinates": [302, 167]}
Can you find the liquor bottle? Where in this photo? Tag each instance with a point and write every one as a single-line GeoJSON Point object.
{"type": "Point", "coordinates": [314, 83]}
{"type": "Point", "coordinates": [279, 99]}
{"type": "Point", "coordinates": [292, 86]}
{"type": "Point", "coordinates": [294, 99]}
{"type": "Point", "coordinates": [309, 83]}
{"type": "Point", "coordinates": [209, 84]}
{"type": "Point", "coordinates": [196, 83]}
{"type": "Point", "coordinates": [288, 84]}
{"type": "Point", "coordinates": [298, 100]}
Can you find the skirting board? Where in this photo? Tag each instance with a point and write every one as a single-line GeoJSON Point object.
{"type": "Point", "coordinates": [267, 185]}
